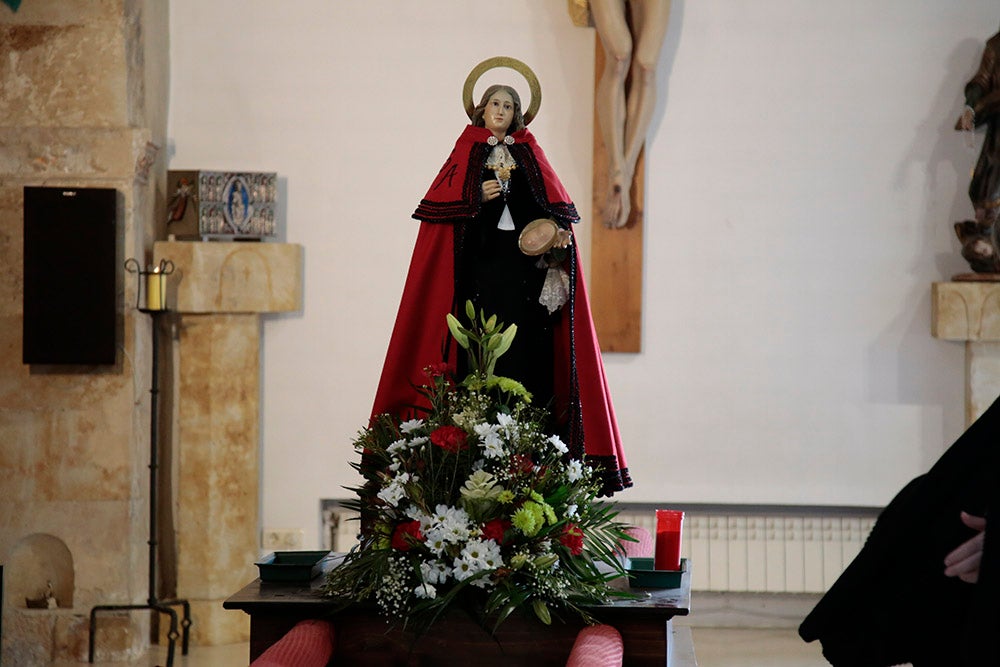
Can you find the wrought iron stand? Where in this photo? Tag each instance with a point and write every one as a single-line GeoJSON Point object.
{"type": "Point", "coordinates": [152, 602]}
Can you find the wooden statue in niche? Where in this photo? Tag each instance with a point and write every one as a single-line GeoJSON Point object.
{"type": "Point", "coordinates": [979, 240]}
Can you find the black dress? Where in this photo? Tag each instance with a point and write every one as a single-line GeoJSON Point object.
{"type": "Point", "coordinates": [503, 281]}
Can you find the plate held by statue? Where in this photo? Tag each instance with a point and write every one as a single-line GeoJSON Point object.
{"type": "Point", "coordinates": [538, 237]}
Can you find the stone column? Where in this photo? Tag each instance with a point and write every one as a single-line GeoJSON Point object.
{"type": "Point", "coordinates": [220, 291]}
{"type": "Point", "coordinates": [970, 312]}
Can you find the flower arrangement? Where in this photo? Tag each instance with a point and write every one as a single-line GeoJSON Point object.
{"type": "Point", "coordinates": [474, 505]}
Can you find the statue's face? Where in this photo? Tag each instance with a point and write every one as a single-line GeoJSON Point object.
{"type": "Point", "coordinates": [499, 113]}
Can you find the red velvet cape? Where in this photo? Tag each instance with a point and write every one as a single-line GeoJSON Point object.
{"type": "Point", "coordinates": [420, 336]}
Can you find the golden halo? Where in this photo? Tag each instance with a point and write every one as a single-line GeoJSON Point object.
{"type": "Point", "coordinates": [517, 66]}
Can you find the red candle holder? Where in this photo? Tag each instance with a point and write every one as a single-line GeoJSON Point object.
{"type": "Point", "coordinates": [669, 526]}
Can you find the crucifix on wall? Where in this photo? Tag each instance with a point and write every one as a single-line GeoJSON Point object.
{"type": "Point", "coordinates": [630, 35]}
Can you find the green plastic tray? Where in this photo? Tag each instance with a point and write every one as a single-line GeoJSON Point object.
{"type": "Point", "coordinates": [642, 575]}
{"type": "Point", "coordinates": [291, 565]}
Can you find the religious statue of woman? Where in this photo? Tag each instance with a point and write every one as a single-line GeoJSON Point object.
{"type": "Point", "coordinates": [471, 245]}
{"type": "Point", "coordinates": [982, 106]}
{"type": "Point", "coordinates": [632, 33]}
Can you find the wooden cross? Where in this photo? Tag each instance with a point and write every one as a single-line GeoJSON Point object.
{"type": "Point", "coordinates": [616, 254]}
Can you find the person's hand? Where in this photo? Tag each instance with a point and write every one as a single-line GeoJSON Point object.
{"type": "Point", "coordinates": [964, 561]}
{"type": "Point", "coordinates": [491, 190]}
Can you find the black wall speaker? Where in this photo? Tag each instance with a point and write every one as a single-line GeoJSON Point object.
{"type": "Point", "coordinates": [70, 267]}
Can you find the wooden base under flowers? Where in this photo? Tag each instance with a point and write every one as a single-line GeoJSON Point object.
{"type": "Point", "coordinates": [363, 637]}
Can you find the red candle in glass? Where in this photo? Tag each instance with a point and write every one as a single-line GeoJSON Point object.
{"type": "Point", "coordinates": [669, 524]}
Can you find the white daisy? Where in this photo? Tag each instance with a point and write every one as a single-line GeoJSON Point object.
{"type": "Point", "coordinates": [411, 425]}
{"type": "Point", "coordinates": [425, 591]}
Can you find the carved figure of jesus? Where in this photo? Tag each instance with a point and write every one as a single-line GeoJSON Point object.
{"type": "Point", "coordinates": [624, 112]}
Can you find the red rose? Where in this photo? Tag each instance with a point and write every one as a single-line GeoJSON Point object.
{"type": "Point", "coordinates": [449, 438]}
{"type": "Point", "coordinates": [436, 370]}
{"type": "Point", "coordinates": [522, 463]}
{"type": "Point", "coordinates": [406, 536]}
{"type": "Point", "coordinates": [494, 529]}
{"type": "Point", "coordinates": [572, 538]}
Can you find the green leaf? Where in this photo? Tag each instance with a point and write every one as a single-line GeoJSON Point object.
{"type": "Point", "coordinates": [503, 614]}
{"type": "Point", "coordinates": [470, 311]}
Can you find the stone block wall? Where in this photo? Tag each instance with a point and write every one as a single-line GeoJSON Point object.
{"type": "Point", "coordinates": [75, 101]}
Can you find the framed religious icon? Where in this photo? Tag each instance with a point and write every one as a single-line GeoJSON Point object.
{"type": "Point", "coordinates": [221, 205]}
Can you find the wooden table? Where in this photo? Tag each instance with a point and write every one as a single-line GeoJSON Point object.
{"type": "Point", "coordinates": [363, 637]}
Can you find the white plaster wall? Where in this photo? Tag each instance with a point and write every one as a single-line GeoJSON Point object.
{"type": "Point", "coordinates": [803, 176]}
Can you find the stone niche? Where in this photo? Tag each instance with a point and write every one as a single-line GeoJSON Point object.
{"type": "Point", "coordinates": [40, 568]}
{"type": "Point", "coordinates": [39, 591]}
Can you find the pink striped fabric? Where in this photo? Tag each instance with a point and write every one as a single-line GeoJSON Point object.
{"type": "Point", "coordinates": [597, 646]}
{"type": "Point", "coordinates": [308, 644]}
{"type": "Point", "coordinates": [641, 549]}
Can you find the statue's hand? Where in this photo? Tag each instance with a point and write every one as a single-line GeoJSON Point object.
{"type": "Point", "coordinates": [491, 190]}
{"type": "Point", "coordinates": [967, 121]}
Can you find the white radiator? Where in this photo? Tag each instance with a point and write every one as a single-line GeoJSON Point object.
{"type": "Point", "coordinates": [765, 553]}
{"type": "Point", "coordinates": [729, 552]}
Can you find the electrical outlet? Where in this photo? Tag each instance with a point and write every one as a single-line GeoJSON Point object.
{"type": "Point", "coordinates": [282, 539]}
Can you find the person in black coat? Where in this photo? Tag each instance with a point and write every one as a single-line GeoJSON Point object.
{"type": "Point", "coordinates": [924, 588]}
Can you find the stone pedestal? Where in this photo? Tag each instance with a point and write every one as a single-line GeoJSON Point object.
{"type": "Point", "coordinates": [970, 312]}
{"type": "Point", "coordinates": [219, 291]}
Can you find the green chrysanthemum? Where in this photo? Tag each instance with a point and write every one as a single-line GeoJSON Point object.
{"type": "Point", "coordinates": [529, 519]}
{"type": "Point", "coordinates": [547, 511]}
